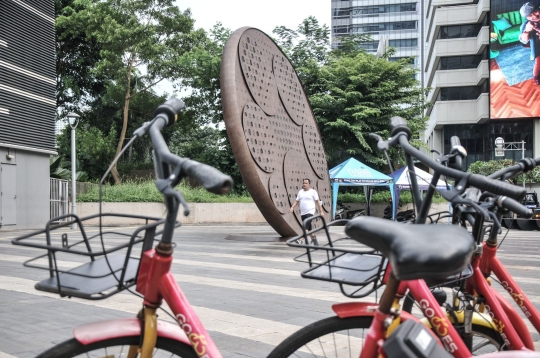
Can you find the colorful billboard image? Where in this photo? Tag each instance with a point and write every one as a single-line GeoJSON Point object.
{"type": "Point", "coordinates": [514, 59]}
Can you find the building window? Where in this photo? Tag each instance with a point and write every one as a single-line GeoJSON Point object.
{"type": "Point", "coordinates": [374, 45]}
{"type": "Point", "coordinates": [479, 139]}
{"type": "Point", "coordinates": [383, 9]}
{"type": "Point", "coordinates": [341, 12]}
{"type": "Point", "coordinates": [340, 29]}
{"type": "Point", "coordinates": [370, 45]}
{"type": "Point", "coordinates": [403, 43]}
{"type": "Point", "coordinates": [384, 26]}
{"type": "Point", "coordinates": [410, 60]}
{"type": "Point", "coordinates": [460, 62]}
{"type": "Point", "coordinates": [461, 93]}
{"type": "Point", "coordinates": [459, 31]}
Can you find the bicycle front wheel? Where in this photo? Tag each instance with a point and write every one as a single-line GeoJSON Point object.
{"type": "Point", "coordinates": [330, 337]}
{"type": "Point", "coordinates": [116, 348]}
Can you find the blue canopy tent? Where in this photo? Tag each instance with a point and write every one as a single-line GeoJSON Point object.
{"type": "Point", "coordinates": [354, 173]}
{"type": "Point", "coordinates": [402, 181]}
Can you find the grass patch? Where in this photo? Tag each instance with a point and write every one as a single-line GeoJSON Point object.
{"type": "Point", "coordinates": [146, 192]}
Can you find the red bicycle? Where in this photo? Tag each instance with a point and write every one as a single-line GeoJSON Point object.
{"type": "Point", "coordinates": [111, 270]}
{"type": "Point", "coordinates": [416, 253]}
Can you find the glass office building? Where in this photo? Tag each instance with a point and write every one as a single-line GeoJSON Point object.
{"type": "Point", "coordinates": [395, 21]}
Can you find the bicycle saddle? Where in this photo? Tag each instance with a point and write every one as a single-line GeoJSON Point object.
{"type": "Point", "coordinates": [415, 251]}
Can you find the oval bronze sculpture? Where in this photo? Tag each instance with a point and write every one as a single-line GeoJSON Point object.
{"type": "Point", "coordinates": [271, 127]}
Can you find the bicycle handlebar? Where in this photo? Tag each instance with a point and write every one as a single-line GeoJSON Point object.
{"type": "Point", "coordinates": [170, 109]}
{"type": "Point", "coordinates": [211, 178]}
{"type": "Point", "coordinates": [512, 205]}
{"type": "Point", "coordinates": [400, 128]}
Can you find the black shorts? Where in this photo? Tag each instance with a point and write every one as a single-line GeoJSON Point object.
{"type": "Point", "coordinates": [308, 224]}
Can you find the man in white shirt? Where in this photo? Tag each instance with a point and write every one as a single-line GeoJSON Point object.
{"type": "Point", "coordinates": [307, 198]}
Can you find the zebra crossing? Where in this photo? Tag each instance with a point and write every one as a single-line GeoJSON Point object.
{"type": "Point", "coordinates": [249, 295]}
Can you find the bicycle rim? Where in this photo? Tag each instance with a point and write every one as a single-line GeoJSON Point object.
{"type": "Point", "coordinates": [486, 340]}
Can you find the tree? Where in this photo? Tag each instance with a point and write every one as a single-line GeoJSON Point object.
{"type": "Point", "coordinates": [307, 48]}
{"type": "Point", "coordinates": [137, 37]}
{"type": "Point", "coordinates": [76, 57]}
{"type": "Point", "coordinates": [210, 146]}
{"type": "Point", "coordinates": [360, 93]}
{"type": "Point", "coordinates": [94, 149]}
{"type": "Point", "coordinates": [202, 66]}
{"type": "Point", "coordinates": [352, 93]}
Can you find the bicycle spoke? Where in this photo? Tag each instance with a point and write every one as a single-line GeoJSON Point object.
{"type": "Point", "coordinates": [322, 348]}
{"type": "Point", "coordinates": [349, 338]}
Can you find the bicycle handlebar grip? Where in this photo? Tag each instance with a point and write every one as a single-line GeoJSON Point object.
{"type": "Point", "coordinates": [397, 125]}
{"type": "Point", "coordinates": [454, 141]}
{"type": "Point", "coordinates": [212, 179]}
{"type": "Point", "coordinates": [529, 164]}
{"type": "Point", "coordinates": [170, 109]}
{"type": "Point", "coordinates": [514, 206]}
{"type": "Point", "coordinates": [459, 152]}
{"type": "Point", "coordinates": [497, 187]}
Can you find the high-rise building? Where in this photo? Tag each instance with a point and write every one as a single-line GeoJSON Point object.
{"type": "Point", "coordinates": [395, 21]}
{"type": "Point", "coordinates": [481, 78]}
{"type": "Point", "coordinates": [27, 111]}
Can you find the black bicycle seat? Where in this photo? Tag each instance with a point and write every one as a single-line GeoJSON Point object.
{"type": "Point", "coordinates": [415, 251]}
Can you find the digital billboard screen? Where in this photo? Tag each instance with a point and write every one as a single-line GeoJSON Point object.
{"type": "Point", "coordinates": [514, 63]}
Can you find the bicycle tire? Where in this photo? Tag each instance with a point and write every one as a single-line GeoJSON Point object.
{"type": "Point", "coordinates": [320, 337]}
{"type": "Point", "coordinates": [73, 348]}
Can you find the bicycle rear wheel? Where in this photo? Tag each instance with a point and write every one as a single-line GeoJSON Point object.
{"type": "Point", "coordinates": [330, 337]}
{"type": "Point", "coordinates": [116, 348]}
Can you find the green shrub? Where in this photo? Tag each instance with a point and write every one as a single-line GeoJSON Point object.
{"type": "Point", "coordinates": [146, 191]}
{"type": "Point", "coordinates": [490, 167]}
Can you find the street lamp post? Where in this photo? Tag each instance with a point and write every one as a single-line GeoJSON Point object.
{"type": "Point", "coordinates": [501, 146]}
{"type": "Point", "coordinates": [73, 119]}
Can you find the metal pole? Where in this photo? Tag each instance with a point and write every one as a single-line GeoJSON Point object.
{"type": "Point", "coordinates": [523, 157]}
{"type": "Point", "coordinates": [73, 181]}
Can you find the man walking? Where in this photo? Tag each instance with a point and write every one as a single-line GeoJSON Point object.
{"type": "Point", "coordinates": [307, 198]}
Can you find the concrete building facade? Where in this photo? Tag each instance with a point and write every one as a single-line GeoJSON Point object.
{"type": "Point", "coordinates": [27, 111]}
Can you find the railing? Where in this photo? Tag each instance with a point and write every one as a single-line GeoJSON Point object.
{"type": "Point", "coordinates": [59, 198]}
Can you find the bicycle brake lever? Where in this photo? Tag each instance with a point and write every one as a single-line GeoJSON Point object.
{"type": "Point", "coordinates": [384, 145]}
{"type": "Point", "coordinates": [458, 199]}
{"type": "Point", "coordinates": [164, 186]}
{"type": "Point", "coordinates": [496, 222]}
{"type": "Point", "coordinates": [142, 130]}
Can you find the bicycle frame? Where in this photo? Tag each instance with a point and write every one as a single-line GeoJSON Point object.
{"type": "Point", "coordinates": [157, 283]}
{"type": "Point", "coordinates": [382, 314]}
{"type": "Point", "coordinates": [436, 316]}
{"type": "Point", "coordinates": [507, 321]}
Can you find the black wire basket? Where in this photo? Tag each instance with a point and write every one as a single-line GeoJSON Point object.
{"type": "Point", "coordinates": [357, 269]}
{"type": "Point", "coordinates": [90, 263]}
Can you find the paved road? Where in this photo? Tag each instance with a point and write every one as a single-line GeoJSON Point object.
{"type": "Point", "coordinates": [248, 294]}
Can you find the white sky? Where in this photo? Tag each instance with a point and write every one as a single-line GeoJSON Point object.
{"type": "Point", "coordinates": [262, 14]}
